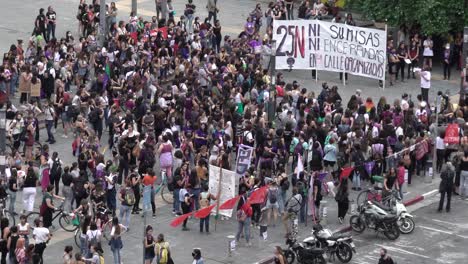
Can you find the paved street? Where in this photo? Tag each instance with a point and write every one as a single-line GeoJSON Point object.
{"type": "Point", "coordinates": [440, 238]}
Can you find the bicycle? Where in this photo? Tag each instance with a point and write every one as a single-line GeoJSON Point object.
{"type": "Point", "coordinates": [64, 218]}
{"type": "Point", "coordinates": [105, 226]}
{"type": "Point", "coordinates": [373, 194]}
{"type": "Point", "coordinates": [166, 194]}
{"type": "Point", "coordinates": [4, 213]}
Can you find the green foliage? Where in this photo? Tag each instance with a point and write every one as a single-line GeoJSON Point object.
{"type": "Point", "coordinates": [437, 17]}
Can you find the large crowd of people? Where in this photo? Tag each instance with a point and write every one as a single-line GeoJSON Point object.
{"type": "Point", "coordinates": [176, 95]}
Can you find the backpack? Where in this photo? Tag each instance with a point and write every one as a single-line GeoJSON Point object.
{"type": "Point", "coordinates": [298, 149]}
{"type": "Point", "coordinates": [301, 188]}
{"type": "Point", "coordinates": [129, 196]}
{"type": "Point", "coordinates": [205, 199]}
{"type": "Point", "coordinates": [94, 115]}
{"type": "Point", "coordinates": [244, 139]}
{"type": "Point", "coordinates": [149, 158]}
{"type": "Point", "coordinates": [163, 253]}
{"type": "Point", "coordinates": [273, 196]}
{"type": "Point", "coordinates": [360, 121]}
{"type": "Point", "coordinates": [343, 129]}
{"type": "Point", "coordinates": [93, 240]}
{"type": "Point", "coordinates": [56, 170]}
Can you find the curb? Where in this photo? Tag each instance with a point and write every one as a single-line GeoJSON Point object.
{"type": "Point", "coordinates": [419, 198]}
{"type": "Point", "coordinates": [410, 202]}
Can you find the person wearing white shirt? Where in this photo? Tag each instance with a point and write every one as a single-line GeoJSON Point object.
{"type": "Point", "coordinates": [41, 237]}
{"type": "Point", "coordinates": [440, 151]}
{"type": "Point", "coordinates": [425, 76]}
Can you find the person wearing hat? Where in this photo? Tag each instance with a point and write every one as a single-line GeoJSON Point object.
{"type": "Point", "coordinates": [447, 177]}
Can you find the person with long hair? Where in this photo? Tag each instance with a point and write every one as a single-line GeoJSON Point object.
{"type": "Point", "coordinates": [5, 232]}
{"type": "Point", "coordinates": [279, 256]}
{"type": "Point", "coordinates": [342, 198]}
{"type": "Point", "coordinates": [116, 239]}
{"type": "Point", "coordinates": [149, 245]}
{"type": "Point", "coordinates": [83, 238]}
{"type": "Point", "coordinates": [20, 251]}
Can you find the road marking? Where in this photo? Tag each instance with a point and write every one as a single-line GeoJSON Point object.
{"type": "Point", "coordinates": [430, 193]}
{"type": "Point", "coordinates": [442, 231]}
{"type": "Point", "coordinates": [449, 223]}
{"type": "Point", "coordinates": [403, 251]}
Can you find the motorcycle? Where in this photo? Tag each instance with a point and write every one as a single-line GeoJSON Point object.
{"type": "Point", "coordinates": [303, 254]}
{"type": "Point", "coordinates": [341, 246]}
{"type": "Point", "coordinates": [369, 217]}
{"type": "Point", "coordinates": [405, 220]}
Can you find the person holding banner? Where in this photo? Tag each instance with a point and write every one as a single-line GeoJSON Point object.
{"type": "Point", "coordinates": [244, 214]}
{"type": "Point", "coordinates": [205, 200]}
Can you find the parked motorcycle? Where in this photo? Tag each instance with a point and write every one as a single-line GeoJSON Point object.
{"type": "Point", "coordinates": [369, 217]}
{"type": "Point", "coordinates": [405, 220]}
{"type": "Point", "coordinates": [341, 246]}
{"type": "Point", "coordinates": [302, 253]}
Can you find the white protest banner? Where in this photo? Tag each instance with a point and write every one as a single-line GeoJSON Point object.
{"type": "Point", "coordinates": [228, 186]}
{"type": "Point", "coordinates": [244, 156]}
{"type": "Point", "coordinates": [321, 45]}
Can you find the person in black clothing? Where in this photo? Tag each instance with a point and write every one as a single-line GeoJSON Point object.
{"type": "Point", "coordinates": [12, 189]}
{"type": "Point", "coordinates": [135, 180]}
{"type": "Point", "coordinates": [12, 239]}
{"type": "Point", "coordinates": [40, 23]}
{"type": "Point", "coordinates": [446, 185]}
{"type": "Point", "coordinates": [67, 192]}
{"type": "Point", "coordinates": [342, 199]}
{"type": "Point", "coordinates": [125, 154]}
{"type": "Point", "coordinates": [56, 172]}
{"type": "Point", "coordinates": [51, 23]}
{"type": "Point", "coordinates": [384, 258]}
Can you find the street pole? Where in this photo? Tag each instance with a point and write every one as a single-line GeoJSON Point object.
{"type": "Point", "coordinates": [436, 131]}
{"type": "Point", "coordinates": [2, 141]}
{"type": "Point", "coordinates": [464, 64]}
{"type": "Point", "coordinates": [102, 23]}
{"type": "Point", "coordinates": [271, 112]}
{"type": "Point", "coordinates": [134, 7]}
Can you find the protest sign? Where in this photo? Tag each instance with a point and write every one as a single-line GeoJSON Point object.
{"type": "Point", "coordinates": [244, 156]}
{"type": "Point", "coordinates": [321, 45]}
{"type": "Point", "coordinates": [227, 185]}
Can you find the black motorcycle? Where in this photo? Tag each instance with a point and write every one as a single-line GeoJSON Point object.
{"type": "Point", "coordinates": [339, 245]}
{"type": "Point", "coordinates": [368, 217]}
{"type": "Point", "coordinates": [303, 254]}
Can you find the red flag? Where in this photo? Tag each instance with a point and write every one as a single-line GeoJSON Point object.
{"type": "Point", "coordinates": [179, 220]}
{"type": "Point", "coordinates": [345, 172]}
{"type": "Point", "coordinates": [258, 196]}
{"type": "Point", "coordinates": [452, 136]}
{"type": "Point", "coordinates": [204, 212]}
{"type": "Point", "coordinates": [229, 204]}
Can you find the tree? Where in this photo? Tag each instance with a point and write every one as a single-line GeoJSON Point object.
{"type": "Point", "coordinates": [435, 17]}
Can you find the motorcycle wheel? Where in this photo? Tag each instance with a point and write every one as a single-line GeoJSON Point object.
{"type": "Point", "coordinates": [344, 253]}
{"type": "Point", "coordinates": [406, 225]}
{"type": "Point", "coordinates": [356, 224]}
{"type": "Point", "coordinates": [289, 255]}
{"type": "Point", "coordinates": [393, 232]}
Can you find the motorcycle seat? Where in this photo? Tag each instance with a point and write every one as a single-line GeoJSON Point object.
{"type": "Point", "coordinates": [383, 207]}
{"type": "Point", "coordinates": [388, 218]}
{"type": "Point", "coordinates": [336, 236]}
